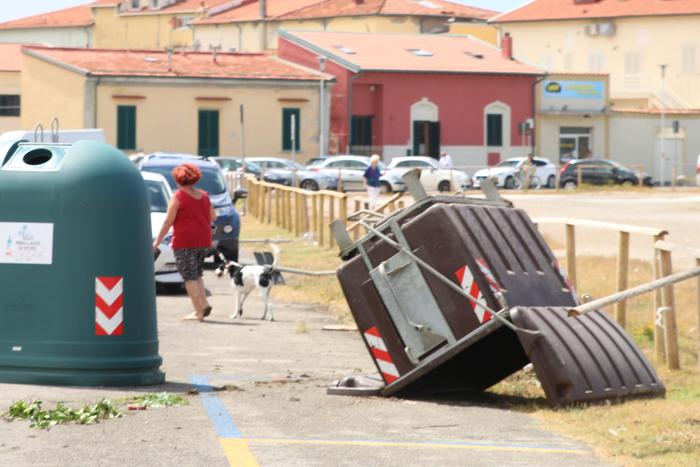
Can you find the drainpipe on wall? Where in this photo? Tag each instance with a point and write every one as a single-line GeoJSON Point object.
{"type": "Point", "coordinates": [534, 110]}
{"type": "Point", "coordinates": [263, 25]}
{"type": "Point", "coordinates": [350, 82]}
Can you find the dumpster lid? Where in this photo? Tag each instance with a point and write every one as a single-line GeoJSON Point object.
{"type": "Point", "coordinates": [584, 358]}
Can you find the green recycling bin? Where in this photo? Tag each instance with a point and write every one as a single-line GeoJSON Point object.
{"type": "Point", "coordinates": [77, 295]}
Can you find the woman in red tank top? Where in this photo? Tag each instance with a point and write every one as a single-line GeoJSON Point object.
{"type": "Point", "coordinates": [190, 214]}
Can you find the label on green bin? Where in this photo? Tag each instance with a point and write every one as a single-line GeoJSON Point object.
{"type": "Point", "coordinates": [26, 243]}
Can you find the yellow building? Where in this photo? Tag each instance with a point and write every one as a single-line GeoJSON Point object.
{"type": "Point", "coordinates": [10, 63]}
{"type": "Point", "coordinates": [196, 103]}
{"type": "Point", "coordinates": [254, 26]}
{"type": "Point", "coordinates": [649, 48]}
{"type": "Point", "coordinates": [148, 24]}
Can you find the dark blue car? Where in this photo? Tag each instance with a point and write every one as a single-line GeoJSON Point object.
{"type": "Point", "coordinates": [227, 225]}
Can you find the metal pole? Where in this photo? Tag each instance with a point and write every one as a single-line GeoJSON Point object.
{"type": "Point", "coordinates": [322, 110]}
{"type": "Point", "coordinates": [636, 291]}
{"type": "Point", "coordinates": [662, 180]}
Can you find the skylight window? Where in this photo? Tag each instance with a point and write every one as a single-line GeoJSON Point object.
{"type": "Point", "coordinates": [345, 50]}
{"type": "Point", "coordinates": [420, 52]}
{"type": "Point", "coordinates": [428, 4]}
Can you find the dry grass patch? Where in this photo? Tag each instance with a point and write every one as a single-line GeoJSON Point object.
{"type": "Point", "coordinates": [639, 432]}
{"type": "Point", "coordinates": [324, 290]}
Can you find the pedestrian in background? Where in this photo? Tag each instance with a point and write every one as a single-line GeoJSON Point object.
{"type": "Point", "coordinates": [445, 161]}
{"type": "Point", "coordinates": [371, 176]}
{"type": "Point", "coordinates": [190, 214]}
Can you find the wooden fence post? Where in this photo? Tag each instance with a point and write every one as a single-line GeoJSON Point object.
{"type": "Point", "coordinates": [669, 317]}
{"type": "Point", "coordinates": [344, 209]}
{"type": "Point", "coordinates": [314, 215]}
{"type": "Point", "coordinates": [571, 254]}
{"type": "Point", "coordinates": [579, 176]}
{"type": "Point", "coordinates": [321, 214]}
{"type": "Point", "coordinates": [659, 339]}
{"type": "Point", "coordinates": [697, 263]}
{"type": "Point", "coordinates": [278, 211]}
{"type": "Point", "coordinates": [622, 276]}
{"type": "Point", "coordinates": [331, 217]}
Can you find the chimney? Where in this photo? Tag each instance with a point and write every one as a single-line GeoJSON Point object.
{"type": "Point", "coordinates": [507, 46]}
{"type": "Point", "coordinates": [263, 9]}
{"type": "Point", "coordinates": [215, 52]}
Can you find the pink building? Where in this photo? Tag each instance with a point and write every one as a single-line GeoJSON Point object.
{"type": "Point", "coordinates": [410, 94]}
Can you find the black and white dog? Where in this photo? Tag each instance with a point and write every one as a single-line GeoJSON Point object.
{"type": "Point", "coordinates": [246, 278]}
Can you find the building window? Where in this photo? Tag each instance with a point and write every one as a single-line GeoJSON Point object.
{"type": "Point", "coordinates": [208, 133]}
{"type": "Point", "coordinates": [632, 63]}
{"type": "Point", "coordinates": [494, 130]}
{"type": "Point", "coordinates": [289, 116]}
{"type": "Point", "coordinates": [126, 127]}
{"type": "Point", "coordinates": [688, 59]}
{"type": "Point", "coordinates": [596, 62]}
{"type": "Point", "coordinates": [9, 105]}
{"type": "Point", "coordinates": [135, 4]}
{"type": "Point", "coordinates": [361, 130]}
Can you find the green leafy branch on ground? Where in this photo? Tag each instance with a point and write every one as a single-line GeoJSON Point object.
{"type": "Point", "coordinates": [40, 418]}
{"type": "Point", "coordinates": [88, 414]}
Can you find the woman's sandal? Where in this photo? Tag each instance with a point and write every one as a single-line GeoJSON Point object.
{"type": "Point", "coordinates": [207, 311]}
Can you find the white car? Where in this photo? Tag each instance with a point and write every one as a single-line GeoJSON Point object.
{"type": "Point", "coordinates": [506, 173]}
{"type": "Point", "coordinates": [351, 170]}
{"type": "Point", "coordinates": [159, 194]}
{"type": "Point", "coordinates": [432, 176]}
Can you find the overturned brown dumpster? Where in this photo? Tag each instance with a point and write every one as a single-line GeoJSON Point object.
{"type": "Point", "coordinates": [455, 294]}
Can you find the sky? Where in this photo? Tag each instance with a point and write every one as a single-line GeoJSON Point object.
{"type": "Point", "coordinates": [16, 9]}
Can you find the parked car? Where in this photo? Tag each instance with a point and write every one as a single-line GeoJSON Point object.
{"type": "Point", "coordinates": [351, 170]}
{"type": "Point", "coordinates": [234, 164]}
{"type": "Point", "coordinates": [159, 194]}
{"type": "Point", "coordinates": [307, 179]}
{"type": "Point", "coordinates": [315, 160]}
{"type": "Point", "coordinates": [507, 172]}
{"type": "Point", "coordinates": [599, 172]}
{"type": "Point", "coordinates": [432, 176]}
{"type": "Point", "coordinates": [227, 225]}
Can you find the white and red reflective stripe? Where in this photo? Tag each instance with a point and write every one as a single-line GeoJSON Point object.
{"type": "Point", "coordinates": [490, 278]}
{"type": "Point", "coordinates": [380, 354]}
{"type": "Point", "coordinates": [467, 282]}
{"type": "Point", "coordinates": [109, 306]}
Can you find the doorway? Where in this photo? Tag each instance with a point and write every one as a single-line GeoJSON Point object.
{"type": "Point", "coordinates": [574, 143]}
{"type": "Point", "coordinates": [426, 139]}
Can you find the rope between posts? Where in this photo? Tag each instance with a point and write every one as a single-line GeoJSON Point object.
{"type": "Point", "coordinates": [446, 281]}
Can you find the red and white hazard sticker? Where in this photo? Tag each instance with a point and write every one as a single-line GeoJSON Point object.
{"type": "Point", "coordinates": [381, 355]}
{"type": "Point", "coordinates": [109, 306]}
{"type": "Point", "coordinates": [467, 282]}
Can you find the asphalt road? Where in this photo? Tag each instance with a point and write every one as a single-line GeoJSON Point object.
{"type": "Point", "coordinates": [272, 409]}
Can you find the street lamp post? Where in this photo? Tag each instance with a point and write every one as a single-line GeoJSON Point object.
{"type": "Point", "coordinates": [662, 181]}
{"type": "Point", "coordinates": [322, 110]}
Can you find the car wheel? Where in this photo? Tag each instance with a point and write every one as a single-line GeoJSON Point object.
{"type": "Point", "coordinates": [569, 185]}
{"type": "Point", "coordinates": [384, 187]}
{"type": "Point", "coordinates": [627, 182]}
{"type": "Point", "coordinates": [509, 183]}
{"type": "Point", "coordinates": [444, 186]}
{"type": "Point", "coordinates": [551, 181]}
{"type": "Point", "coordinates": [310, 185]}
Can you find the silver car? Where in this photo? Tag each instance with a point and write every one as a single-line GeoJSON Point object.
{"type": "Point", "coordinates": [307, 179]}
{"type": "Point", "coordinates": [351, 170]}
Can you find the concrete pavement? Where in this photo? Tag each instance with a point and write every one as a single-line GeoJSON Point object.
{"type": "Point", "coordinates": [271, 409]}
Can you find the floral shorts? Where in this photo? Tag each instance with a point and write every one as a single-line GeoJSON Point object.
{"type": "Point", "coordinates": [190, 262]}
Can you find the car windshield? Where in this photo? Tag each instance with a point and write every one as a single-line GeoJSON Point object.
{"type": "Point", "coordinates": [510, 163]}
{"type": "Point", "coordinates": [252, 167]}
{"type": "Point", "coordinates": [619, 166]}
{"type": "Point", "coordinates": [212, 181]}
{"type": "Point", "coordinates": [157, 195]}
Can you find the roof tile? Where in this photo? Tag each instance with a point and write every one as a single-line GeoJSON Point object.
{"type": "Point", "coordinates": [10, 57]}
{"type": "Point", "coordinates": [542, 10]}
{"type": "Point", "coordinates": [78, 16]}
{"type": "Point", "coordinates": [151, 63]}
{"type": "Point", "coordinates": [436, 53]}
{"type": "Point", "coordinates": [309, 9]}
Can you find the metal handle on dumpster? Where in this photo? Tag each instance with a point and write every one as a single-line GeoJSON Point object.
{"type": "Point", "coordinates": [447, 281]}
